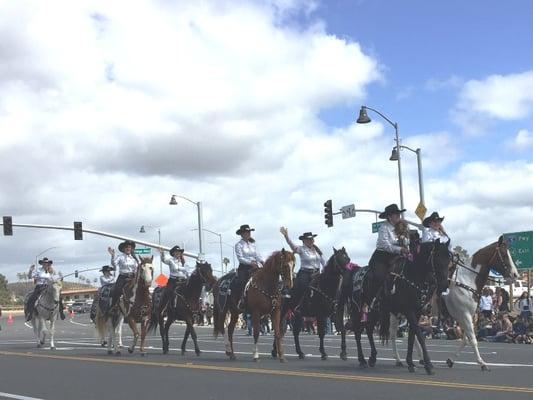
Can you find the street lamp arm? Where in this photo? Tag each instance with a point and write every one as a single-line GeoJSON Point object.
{"type": "Point", "coordinates": [207, 230]}
{"type": "Point", "coordinates": [382, 115]}
{"type": "Point", "coordinates": [185, 198]}
{"type": "Point", "coordinates": [408, 148]}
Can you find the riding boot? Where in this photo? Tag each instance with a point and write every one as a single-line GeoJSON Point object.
{"type": "Point", "coordinates": [61, 313]}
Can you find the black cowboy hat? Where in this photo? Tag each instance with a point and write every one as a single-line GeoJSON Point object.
{"type": "Point", "coordinates": [433, 217]}
{"type": "Point", "coordinates": [307, 235]}
{"type": "Point", "coordinates": [244, 228]}
{"type": "Point", "coordinates": [107, 268]}
{"type": "Point", "coordinates": [124, 244]}
{"type": "Point", "coordinates": [45, 260]}
{"type": "Point", "coordinates": [389, 210]}
{"type": "Point", "coordinates": [176, 248]}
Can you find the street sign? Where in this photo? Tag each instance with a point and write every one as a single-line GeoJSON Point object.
{"type": "Point", "coordinates": [348, 211]}
{"type": "Point", "coordinates": [143, 250]}
{"type": "Point", "coordinates": [521, 248]}
{"type": "Point", "coordinates": [421, 211]}
{"type": "Point", "coordinates": [376, 225]}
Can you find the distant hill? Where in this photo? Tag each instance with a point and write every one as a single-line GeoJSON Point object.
{"type": "Point", "coordinates": [19, 289]}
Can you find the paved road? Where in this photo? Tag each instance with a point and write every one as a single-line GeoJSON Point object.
{"type": "Point", "coordinates": [80, 369]}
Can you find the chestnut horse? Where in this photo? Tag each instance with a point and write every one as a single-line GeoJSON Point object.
{"type": "Point", "coordinates": [182, 306]}
{"type": "Point", "coordinates": [262, 297]}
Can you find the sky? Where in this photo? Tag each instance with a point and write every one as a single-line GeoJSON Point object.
{"type": "Point", "coordinates": [109, 108]}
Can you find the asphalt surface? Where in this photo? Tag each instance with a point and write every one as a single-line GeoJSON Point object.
{"type": "Point", "coordinates": [80, 368]}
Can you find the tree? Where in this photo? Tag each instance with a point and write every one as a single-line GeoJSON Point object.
{"type": "Point", "coordinates": [463, 253]}
{"type": "Point", "coordinates": [5, 297]}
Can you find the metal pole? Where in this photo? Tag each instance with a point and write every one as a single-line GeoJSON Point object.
{"type": "Point", "coordinates": [399, 164]}
{"type": "Point", "coordinates": [221, 257]}
{"type": "Point", "coordinates": [159, 241]}
{"type": "Point", "coordinates": [200, 228]}
{"type": "Point", "coordinates": [44, 251]}
{"type": "Point", "coordinates": [420, 177]}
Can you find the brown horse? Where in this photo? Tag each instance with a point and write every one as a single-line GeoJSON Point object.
{"type": "Point", "coordinates": [263, 297]}
{"type": "Point", "coordinates": [141, 307]}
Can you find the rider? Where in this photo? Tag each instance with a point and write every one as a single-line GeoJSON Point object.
{"type": "Point", "coordinates": [433, 229]}
{"type": "Point", "coordinates": [107, 278]}
{"type": "Point", "coordinates": [249, 258]}
{"type": "Point", "coordinates": [388, 245]}
{"type": "Point", "coordinates": [311, 261]}
{"type": "Point", "coordinates": [41, 277]}
{"type": "Point", "coordinates": [179, 273]}
{"type": "Point", "coordinates": [127, 265]}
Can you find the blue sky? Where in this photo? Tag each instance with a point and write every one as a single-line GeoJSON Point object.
{"type": "Point", "coordinates": [421, 41]}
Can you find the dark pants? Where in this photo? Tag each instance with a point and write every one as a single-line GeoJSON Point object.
{"type": "Point", "coordinates": [301, 284]}
{"type": "Point", "coordinates": [168, 291]}
{"type": "Point", "coordinates": [243, 274]}
{"type": "Point", "coordinates": [119, 287]}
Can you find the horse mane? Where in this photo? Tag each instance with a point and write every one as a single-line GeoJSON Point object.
{"type": "Point", "coordinates": [481, 252]}
{"type": "Point", "coordinates": [270, 262]}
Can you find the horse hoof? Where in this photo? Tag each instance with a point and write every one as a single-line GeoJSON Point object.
{"type": "Point", "coordinates": [411, 368]}
{"type": "Point", "coordinates": [183, 352]}
{"type": "Point", "coordinates": [118, 353]}
{"type": "Point", "coordinates": [198, 352]}
{"type": "Point", "coordinates": [109, 352]}
{"type": "Point", "coordinates": [449, 362]}
{"type": "Point", "coordinates": [429, 369]}
{"type": "Point", "coordinates": [143, 353]}
{"type": "Point", "coordinates": [324, 357]}
{"type": "Point", "coordinates": [363, 364]}
{"type": "Point", "coordinates": [52, 347]}
{"type": "Point", "coordinates": [282, 360]}
{"type": "Point", "coordinates": [372, 362]}
{"type": "Point", "coordinates": [399, 364]}
{"type": "Point", "coordinates": [343, 357]}
{"type": "Point", "coordinates": [103, 344]}
{"type": "Point", "coordinates": [485, 368]}
{"type": "Point", "coordinates": [39, 345]}
{"type": "Point", "coordinates": [301, 356]}
{"type": "Point", "coordinates": [165, 351]}
{"type": "Point", "coordinates": [130, 350]}
{"type": "Point", "coordinates": [256, 359]}
{"type": "Point", "coordinates": [274, 354]}
{"type": "Point", "coordinates": [421, 362]}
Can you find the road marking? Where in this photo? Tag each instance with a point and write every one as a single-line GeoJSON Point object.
{"type": "Point", "coordinates": [17, 396]}
{"type": "Point", "coordinates": [79, 323]}
{"type": "Point", "coordinates": [283, 372]}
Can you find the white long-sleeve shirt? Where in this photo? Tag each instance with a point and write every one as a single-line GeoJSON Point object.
{"type": "Point", "coordinates": [309, 257]}
{"type": "Point", "coordinates": [246, 253]}
{"type": "Point", "coordinates": [106, 280]}
{"type": "Point", "coordinates": [485, 303]}
{"type": "Point", "coordinates": [430, 235]}
{"type": "Point", "coordinates": [177, 269]}
{"type": "Point", "coordinates": [124, 264]}
{"type": "Point", "coordinates": [42, 277]}
{"type": "Point", "coordinates": [387, 239]}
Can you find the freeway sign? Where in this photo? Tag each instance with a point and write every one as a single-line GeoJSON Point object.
{"type": "Point", "coordinates": [421, 211]}
{"type": "Point", "coordinates": [521, 248]}
{"type": "Point", "coordinates": [143, 250]}
{"type": "Point", "coordinates": [376, 225]}
{"type": "Point", "coordinates": [348, 211]}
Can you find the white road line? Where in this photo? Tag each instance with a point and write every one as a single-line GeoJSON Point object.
{"type": "Point", "coordinates": [17, 396]}
{"type": "Point", "coordinates": [79, 323]}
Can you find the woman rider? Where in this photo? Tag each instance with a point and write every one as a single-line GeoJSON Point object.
{"type": "Point", "coordinates": [179, 272]}
{"type": "Point", "coordinates": [126, 264]}
{"type": "Point", "coordinates": [248, 256]}
{"type": "Point", "coordinates": [41, 277]}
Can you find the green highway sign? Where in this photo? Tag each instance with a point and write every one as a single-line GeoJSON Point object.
{"type": "Point", "coordinates": [376, 225]}
{"type": "Point", "coordinates": [521, 248]}
{"type": "Point", "coordinates": [143, 250]}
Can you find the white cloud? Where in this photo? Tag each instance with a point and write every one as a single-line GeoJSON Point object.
{"type": "Point", "coordinates": [452, 82]}
{"type": "Point", "coordinates": [497, 97]}
{"type": "Point", "coordinates": [523, 141]}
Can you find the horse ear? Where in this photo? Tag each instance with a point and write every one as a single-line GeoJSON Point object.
{"type": "Point", "coordinates": [283, 251]}
{"type": "Point", "coordinates": [343, 249]}
{"type": "Point", "coordinates": [500, 240]}
{"type": "Point", "coordinates": [334, 249]}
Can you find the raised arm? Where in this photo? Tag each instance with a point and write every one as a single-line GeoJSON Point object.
{"type": "Point", "coordinates": [285, 232]}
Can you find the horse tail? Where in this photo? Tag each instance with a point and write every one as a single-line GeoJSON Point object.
{"type": "Point", "coordinates": [100, 323]}
{"type": "Point", "coordinates": [219, 316]}
{"type": "Point", "coordinates": [384, 321]}
{"type": "Point", "coordinates": [154, 318]}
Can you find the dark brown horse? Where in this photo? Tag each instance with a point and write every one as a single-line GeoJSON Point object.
{"type": "Point", "coordinates": [263, 297]}
{"type": "Point", "coordinates": [182, 306]}
{"type": "Point", "coordinates": [319, 301]}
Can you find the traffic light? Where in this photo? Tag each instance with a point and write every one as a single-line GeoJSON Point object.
{"type": "Point", "coordinates": [8, 226]}
{"type": "Point", "coordinates": [328, 213]}
{"type": "Point", "coordinates": [76, 273]}
{"type": "Point", "coordinates": [78, 231]}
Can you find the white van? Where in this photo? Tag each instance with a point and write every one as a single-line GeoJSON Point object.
{"type": "Point", "coordinates": [519, 287]}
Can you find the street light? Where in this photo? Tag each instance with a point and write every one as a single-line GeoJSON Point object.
{"type": "Point", "coordinates": [220, 242]}
{"type": "Point", "coordinates": [44, 251]}
{"type": "Point", "coordinates": [364, 119]}
{"type": "Point", "coordinates": [198, 205]}
{"type": "Point", "coordinates": [418, 152]}
{"type": "Point", "coordinates": [143, 230]}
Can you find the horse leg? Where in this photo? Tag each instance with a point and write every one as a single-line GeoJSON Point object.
{"type": "Point", "coordinates": [133, 327]}
{"type": "Point", "coordinates": [321, 327]}
{"type": "Point", "coordinates": [297, 323]}
{"type": "Point", "coordinates": [164, 328]}
{"type": "Point", "coordinates": [185, 338]}
{"type": "Point", "coordinates": [357, 330]}
{"type": "Point", "coordinates": [231, 328]}
{"type": "Point", "coordinates": [393, 332]}
{"type": "Point", "coordinates": [339, 324]}
{"type": "Point", "coordinates": [52, 331]}
{"type": "Point", "coordinates": [120, 324]}
{"type": "Point", "coordinates": [469, 335]}
{"type": "Point", "coordinates": [370, 324]}
{"type": "Point", "coordinates": [415, 330]}
{"type": "Point", "coordinates": [144, 324]}
{"type": "Point", "coordinates": [256, 320]}
{"type": "Point", "coordinates": [278, 332]}
{"type": "Point", "coordinates": [195, 340]}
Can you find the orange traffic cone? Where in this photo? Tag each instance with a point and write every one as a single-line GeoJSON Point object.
{"type": "Point", "coordinates": [71, 314]}
{"type": "Point", "coordinates": [10, 319]}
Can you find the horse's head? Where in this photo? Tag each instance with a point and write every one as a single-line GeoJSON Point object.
{"type": "Point", "coordinates": [146, 270]}
{"type": "Point", "coordinates": [55, 288]}
{"type": "Point", "coordinates": [440, 258]}
{"type": "Point", "coordinates": [502, 261]}
{"type": "Point", "coordinates": [205, 272]}
{"type": "Point", "coordinates": [286, 266]}
{"type": "Point", "coordinates": [340, 260]}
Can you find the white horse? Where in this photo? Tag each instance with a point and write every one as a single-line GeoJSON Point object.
{"type": "Point", "coordinates": [394, 322]}
{"type": "Point", "coordinates": [466, 286]}
{"type": "Point", "coordinates": [109, 328]}
{"type": "Point", "coordinates": [46, 309]}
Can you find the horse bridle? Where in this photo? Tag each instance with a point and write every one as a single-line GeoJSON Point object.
{"type": "Point", "coordinates": [507, 267]}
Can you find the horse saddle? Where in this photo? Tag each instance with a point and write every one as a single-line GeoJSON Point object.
{"type": "Point", "coordinates": [105, 297]}
{"type": "Point", "coordinates": [358, 279]}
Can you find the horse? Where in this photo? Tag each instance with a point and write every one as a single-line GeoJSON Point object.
{"type": "Point", "coordinates": [110, 326]}
{"type": "Point", "coordinates": [409, 291]}
{"type": "Point", "coordinates": [319, 301]}
{"type": "Point", "coordinates": [466, 286]}
{"type": "Point", "coordinates": [262, 297]}
{"type": "Point", "coordinates": [46, 309]}
{"type": "Point", "coordinates": [182, 306]}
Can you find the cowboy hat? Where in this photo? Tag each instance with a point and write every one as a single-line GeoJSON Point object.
{"type": "Point", "coordinates": [244, 228]}
{"type": "Point", "coordinates": [124, 244]}
{"type": "Point", "coordinates": [107, 268]}
{"type": "Point", "coordinates": [174, 249]}
{"type": "Point", "coordinates": [433, 217]}
{"type": "Point", "coordinates": [307, 235]}
{"type": "Point", "coordinates": [45, 261]}
{"type": "Point", "coordinates": [389, 210]}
